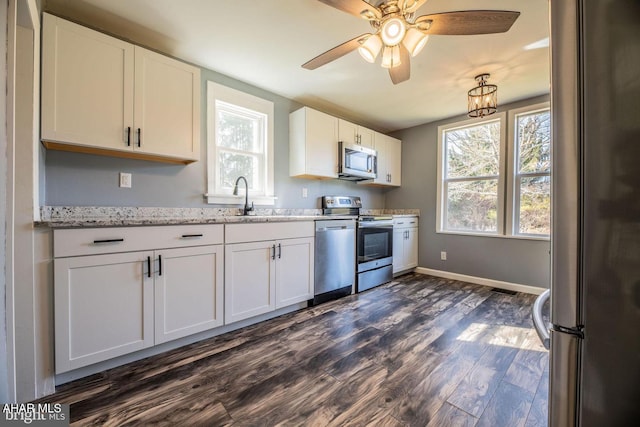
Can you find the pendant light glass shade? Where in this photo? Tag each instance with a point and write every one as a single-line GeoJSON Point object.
{"type": "Point", "coordinates": [391, 56]}
{"type": "Point", "coordinates": [414, 41]}
{"type": "Point", "coordinates": [483, 99]}
{"type": "Point", "coordinates": [370, 48]}
{"type": "Point", "coordinates": [392, 31]}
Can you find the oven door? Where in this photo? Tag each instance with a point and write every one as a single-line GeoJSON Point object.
{"type": "Point", "coordinates": [375, 246]}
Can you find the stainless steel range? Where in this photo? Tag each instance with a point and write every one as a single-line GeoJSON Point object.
{"type": "Point", "coordinates": [374, 241]}
{"type": "Point", "coordinates": [374, 251]}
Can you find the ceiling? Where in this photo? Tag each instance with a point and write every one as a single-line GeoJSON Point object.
{"type": "Point", "coordinates": [265, 42]}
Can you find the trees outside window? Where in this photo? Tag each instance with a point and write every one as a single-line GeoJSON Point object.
{"type": "Point", "coordinates": [239, 143]}
{"type": "Point", "coordinates": [493, 186]}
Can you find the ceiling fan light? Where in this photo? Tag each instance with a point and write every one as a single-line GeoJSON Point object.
{"type": "Point", "coordinates": [414, 41]}
{"type": "Point", "coordinates": [391, 57]}
{"type": "Point", "coordinates": [370, 48]}
{"type": "Point", "coordinates": [393, 31]}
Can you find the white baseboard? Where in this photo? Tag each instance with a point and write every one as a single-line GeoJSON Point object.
{"type": "Point", "coordinates": [482, 281]}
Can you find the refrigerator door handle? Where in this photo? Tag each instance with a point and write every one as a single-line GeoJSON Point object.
{"type": "Point", "coordinates": [536, 313]}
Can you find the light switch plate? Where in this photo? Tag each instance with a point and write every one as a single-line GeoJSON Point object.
{"type": "Point", "coordinates": [125, 180]}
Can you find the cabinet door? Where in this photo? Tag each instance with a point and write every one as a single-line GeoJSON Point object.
{"type": "Point", "coordinates": [167, 106]}
{"type": "Point", "coordinates": [347, 132]}
{"type": "Point", "coordinates": [399, 261]}
{"type": "Point", "coordinates": [249, 272]}
{"type": "Point", "coordinates": [380, 144]}
{"type": "Point", "coordinates": [365, 137]}
{"type": "Point", "coordinates": [294, 271]}
{"type": "Point", "coordinates": [393, 156]}
{"type": "Point", "coordinates": [104, 308]}
{"type": "Point", "coordinates": [411, 248]}
{"type": "Point", "coordinates": [188, 291]}
{"type": "Point", "coordinates": [87, 86]}
{"type": "Point", "coordinates": [322, 144]}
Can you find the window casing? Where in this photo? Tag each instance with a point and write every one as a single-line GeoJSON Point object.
{"type": "Point", "coordinates": [239, 143]}
{"type": "Point", "coordinates": [492, 185]}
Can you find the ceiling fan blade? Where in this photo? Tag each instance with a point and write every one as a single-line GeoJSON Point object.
{"type": "Point", "coordinates": [469, 22]}
{"type": "Point", "coordinates": [402, 72]}
{"type": "Point", "coordinates": [335, 53]}
{"type": "Point", "coordinates": [354, 7]}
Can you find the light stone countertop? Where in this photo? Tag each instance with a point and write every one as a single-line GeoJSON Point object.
{"type": "Point", "coordinates": [97, 216]}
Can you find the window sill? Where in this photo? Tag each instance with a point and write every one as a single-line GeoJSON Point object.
{"type": "Point", "coordinates": [499, 236]}
{"type": "Point", "coordinates": [224, 199]}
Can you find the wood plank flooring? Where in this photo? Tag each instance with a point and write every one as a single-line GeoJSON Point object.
{"type": "Point", "coordinates": [420, 351]}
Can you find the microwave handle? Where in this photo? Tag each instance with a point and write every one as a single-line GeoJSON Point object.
{"type": "Point", "coordinates": [372, 164]}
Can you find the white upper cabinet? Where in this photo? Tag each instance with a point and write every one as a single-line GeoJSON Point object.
{"type": "Point", "coordinates": [167, 106]}
{"type": "Point", "coordinates": [389, 160]}
{"type": "Point", "coordinates": [350, 133]}
{"type": "Point", "coordinates": [102, 95]}
{"type": "Point", "coordinates": [87, 86]}
{"type": "Point", "coordinates": [313, 144]}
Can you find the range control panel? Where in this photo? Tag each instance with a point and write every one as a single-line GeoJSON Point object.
{"type": "Point", "coordinates": [341, 202]}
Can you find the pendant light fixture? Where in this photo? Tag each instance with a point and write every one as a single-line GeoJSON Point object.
{"type": "Point", "coordinates": [483, 99]}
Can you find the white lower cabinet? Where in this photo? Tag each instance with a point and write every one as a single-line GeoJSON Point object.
{"type": "Point", "coordinates": [188, 291]}
{"type": "Point", "coordinates": [103, 308]}
{"type": "Point", "coordinates": [111, 304]}
{"type": "Point", "coordinates": [405, 243]}
{"type": "Point", "coordinates": [262, 276]}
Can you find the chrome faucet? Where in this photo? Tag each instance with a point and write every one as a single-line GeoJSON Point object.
{"type": "Point", "coordinates": [247, 208]}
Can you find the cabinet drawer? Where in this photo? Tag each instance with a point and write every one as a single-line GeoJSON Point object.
{"type": "Point", "coordinates": [240, 233]}
{"type": "Point", "coordinates": [95, 241]}
{"type": "Point", "coordinates": [405, 222]}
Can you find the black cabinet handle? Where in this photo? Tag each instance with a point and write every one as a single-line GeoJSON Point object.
{"type": "Point", "coordinates": [149, 266]}
{"type": "Point", "coordinates": [128, 136]}
{"type": "Point", "coordinates": [139, 138]}
{"type": "Point", "coordinates": [273, 255]}
{"type": "Point", "coordinates": [279, 251]}
{"type": "Point", "coordinates": [187, 236]}
{"type": "Point", "coordinates": [97, 242]}
{"type": "Point", "coordinates": [159, 265]}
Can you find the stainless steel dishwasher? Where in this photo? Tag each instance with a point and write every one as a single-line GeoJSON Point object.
{"type": "Point", "coordinates": [335, 259]}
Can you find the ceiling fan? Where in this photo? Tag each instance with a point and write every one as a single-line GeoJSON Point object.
{"type": "Point", "coordinates": [400, 35]}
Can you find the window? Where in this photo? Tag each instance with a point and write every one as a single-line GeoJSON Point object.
{"type": "Point", "coordinates": [239, 143]}
{"type": "Point", "coordinates": [491, 186]}
{"type": "Point", "coordinates": [532, 172]}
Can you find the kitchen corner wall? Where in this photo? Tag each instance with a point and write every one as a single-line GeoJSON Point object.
{"type": "Point", "coordinates": [525, 262]}
{"type": "Point", "coordinates": [73, 179]}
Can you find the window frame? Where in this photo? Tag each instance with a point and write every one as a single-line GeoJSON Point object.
{"type": "Point", "coordinates": [215, 194]}
{"type": "Point", "coordinates": [513, 190]}
{"type": "Point", "coordinates": [441, 169]}
{"type": "Point", "coordinates": [507, 188]}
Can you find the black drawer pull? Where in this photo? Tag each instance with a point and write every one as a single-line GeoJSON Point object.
{"type": "Point", "coordinates": [159, 265]}
{"type": "Point", "coordinates": [186, 236]}
{"type": "Point", "coordinates": [97, 242]}
{"type": "Point", "coordinates": [139, 137]}
{"type": "Point", "coordinates": [149, 266]}
{"type": "Point", "coordinates": [128, 136]}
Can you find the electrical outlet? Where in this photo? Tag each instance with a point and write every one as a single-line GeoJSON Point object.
{"type": "Point", "coordinates": [305, 192]}
{"type": "Point", "coordinates": [443, 256]}
{"type": "Point", "coordinates": [125, 180]}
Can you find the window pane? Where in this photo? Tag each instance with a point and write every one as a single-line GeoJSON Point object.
{"type": "Point", "coordinates": [534, 142]}
{"type": "Point", "coordinates": [472, 205]}
{"type": "Point", "coordinates": [233, 165]}
{"type": "Point", "coordinates": [238, 131]}
{"type": "Point", "coordinates": [535, 206]}
{"type": "Point", "coordinates": [473, 151]}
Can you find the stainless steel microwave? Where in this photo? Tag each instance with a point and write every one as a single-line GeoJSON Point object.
{"type": "Point", "coordinates": [357, 163]}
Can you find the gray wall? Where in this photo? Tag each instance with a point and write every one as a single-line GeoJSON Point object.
{"type": "Point", "coordinates": [4, 379]}
{"type": "Point", "coordinates": [74, 179]}
{"type": "Point", "coordinates": [521, 261]}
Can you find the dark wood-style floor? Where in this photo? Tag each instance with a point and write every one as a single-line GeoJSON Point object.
{"type": "Point", "coordinates": [420, 351]}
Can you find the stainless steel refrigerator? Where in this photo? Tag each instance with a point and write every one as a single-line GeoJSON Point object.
{"type": "Point", "coordinates": [595, 289]}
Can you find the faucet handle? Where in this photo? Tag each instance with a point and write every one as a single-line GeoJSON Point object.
{"type": "Point", "coordinates": [249, 209]}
